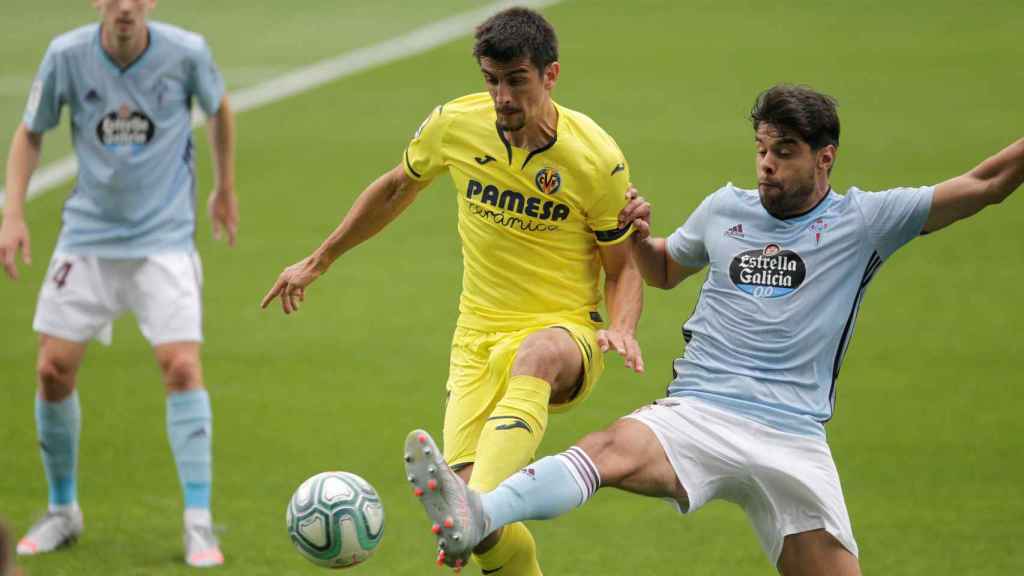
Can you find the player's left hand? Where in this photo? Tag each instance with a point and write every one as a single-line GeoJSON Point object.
{"type": "Point", "coordinates": [223, 207]}
{"type": "Point", "coordinates": [637, 212]}
{"type": "Point", "coordinates": [623, 343]}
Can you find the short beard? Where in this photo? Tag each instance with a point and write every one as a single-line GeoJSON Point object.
{"type": "Point", "coordinates": [788, 203]}
{"type": "Point", "coordinates": [513, 127]}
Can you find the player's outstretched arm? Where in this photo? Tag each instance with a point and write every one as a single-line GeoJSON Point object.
{"type": "Point", "coordinates": [990, 182]}
{"type": "Point", "coordinates": [624, 294]}
{"type": "Point", "coordinates": [651, 255]}
{"type": "Point", "coordinates": [379, 204]}
{"type": "Point", "coordinates": [223, 203]}
{"type": "Point", "coordinates": [21, 163]}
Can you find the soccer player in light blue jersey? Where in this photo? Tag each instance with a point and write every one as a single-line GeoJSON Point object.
{"type": "Point", "coordinates": [788, 264]}
{"type": "Point", "coordinates": [126, 241]}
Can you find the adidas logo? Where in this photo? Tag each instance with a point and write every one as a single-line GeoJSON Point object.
{"type": "Point", "coordinates": [736, 231]}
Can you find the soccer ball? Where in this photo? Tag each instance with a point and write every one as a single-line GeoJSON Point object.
{"type": "Point", "coordinates": [336, 519]}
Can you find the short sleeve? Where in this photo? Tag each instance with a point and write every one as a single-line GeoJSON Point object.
{"type": "Point", "coordinates": [424, 157]}
{"type": "Point", "coordinates": [610, 185]}
{"type": "Point", "coordinates": [894, 217]}
{"type": "Point", "coordinates": [207, 83]}
{"type": "Point", "coordinates": [47, 95]}
{"type": "Point", "coordinates": [686, 245]}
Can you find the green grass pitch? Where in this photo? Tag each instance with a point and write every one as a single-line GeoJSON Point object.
{"type": "Point", "coordinates": [928, 435]}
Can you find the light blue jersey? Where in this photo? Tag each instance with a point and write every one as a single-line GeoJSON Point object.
{"type": "Point", "coordinates": [778, 307]}
{"type": "Point", "coordinates": [131, 130]}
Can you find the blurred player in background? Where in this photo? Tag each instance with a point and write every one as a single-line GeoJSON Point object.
{"type": "Point", "coordinates": [744, 420]}
{"type": "Point", "coordinates": [126, 242]}
{"type": "Point", "coordinates": [540, 189]}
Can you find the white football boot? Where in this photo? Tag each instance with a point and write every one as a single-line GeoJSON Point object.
{"type": "Point", "coordinates": [201, 547]}
{"type": "Point", "coordinates": [454, 509]}
{"type": "Point", "coordinates": [57, 529]}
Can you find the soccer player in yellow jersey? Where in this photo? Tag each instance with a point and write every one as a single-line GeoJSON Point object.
{"type": "Point", "coordinates": [540, 188]}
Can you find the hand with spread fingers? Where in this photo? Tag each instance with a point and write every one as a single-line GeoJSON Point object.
{"type": "Point", "coordinates": [638, 213]}
{"type": "Point", "coordinates": [625, 344]}
{"type": "Point", "coordinates": [291, 284]}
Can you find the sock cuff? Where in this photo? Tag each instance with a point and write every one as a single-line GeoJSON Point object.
{"type": "Point", "coordinates": [189, 404]}
{"type": "Point", "coordinates": [69, 403]}
{"type": "Point", "coordinates": [531, 383]}
{"type": "Point", "coordinates": [583, 471]}
{"type": "Point", "coordinates": [188, 396]}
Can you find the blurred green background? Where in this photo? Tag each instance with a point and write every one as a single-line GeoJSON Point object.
{"type": "Point", "coordinates": [927, 436]}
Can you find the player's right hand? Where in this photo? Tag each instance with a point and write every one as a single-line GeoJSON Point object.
{"type": "Point", "coordinates": [291, 284]}
{"type": "Point", "coordinates": [637, 212]}
{"type": "Point", "coordinates": [14, 235]}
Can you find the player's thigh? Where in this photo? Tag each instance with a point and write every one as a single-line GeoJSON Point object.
{"type": "Point", "coordinates": [57, 364]}
{"type": "Point", "coordinates": [77, 301]}
{"type": "Point", "coordinates": [814, 553]}
{"type": "Point", "coordinates": [472, 391]}
{"type": "Point", "coordinates": [165, 294]}
{"type": "Point", "coordinates": [564, 356]}
{"type": "Point", "coordinates": [629, 456]}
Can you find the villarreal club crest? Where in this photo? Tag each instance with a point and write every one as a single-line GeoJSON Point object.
{"type": "Point", "coordinates": [548, 180]}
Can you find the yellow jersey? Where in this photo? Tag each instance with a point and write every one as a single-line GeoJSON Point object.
{"type": "Point", "coordinates": [530, 221]}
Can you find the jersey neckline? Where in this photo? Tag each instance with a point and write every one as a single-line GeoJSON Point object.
{"type": "Point", "coordinates": [131, 65]}
{"type": "Point", "coordinates": [535, 151]}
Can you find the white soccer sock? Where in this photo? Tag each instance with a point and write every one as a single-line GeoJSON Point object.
{"type": "Point", "coordinates": [547, 488]}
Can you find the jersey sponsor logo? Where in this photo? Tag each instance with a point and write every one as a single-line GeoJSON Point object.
{"type": "Point", "coordinates": [818, 228]}
{"type": "Point", "coordinates": [735, 232]}
{"type": "Point", "coordinates": [516, 202]}
{"type": "Point", "coordinates": [548, 180]}
{"type": "Point", "coordinates": [125, 128]}
{"type": "Point", "coordinates": [770, 272]}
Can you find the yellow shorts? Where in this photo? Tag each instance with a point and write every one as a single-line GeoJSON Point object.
{"type": "Point", "coordinates": [478, 377]}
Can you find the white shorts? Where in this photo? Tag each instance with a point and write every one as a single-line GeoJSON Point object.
{"type": "Point", "coordinates": [786, 483]}
{"type": "Point", "coordinates": [83, 295]}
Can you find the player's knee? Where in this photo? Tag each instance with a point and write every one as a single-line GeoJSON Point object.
{"type": "Point", "coordinates": [612, 453]}
{"type": "Point", "coordinates": [181, 372]}
{"type": "Point", "coordinates": [56, 377]}
{"type": "Point", "coordinates": [544, 355]}
{"type": "Point", "coordinates": [601, 447]}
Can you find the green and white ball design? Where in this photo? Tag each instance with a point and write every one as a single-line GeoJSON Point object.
{"type": "Point", "coordinates": [336, 519]}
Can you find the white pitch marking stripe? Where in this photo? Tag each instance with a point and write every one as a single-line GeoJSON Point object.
{"type": "Point", "coordinates": [309, 77]}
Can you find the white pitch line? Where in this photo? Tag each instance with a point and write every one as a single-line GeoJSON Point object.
{"type": "Point", "coordinates": [309, 77]}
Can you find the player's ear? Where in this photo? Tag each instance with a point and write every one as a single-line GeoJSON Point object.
{"type": "Point", "coordinates": [550, 75]}
{"type": "Point", "coordinates": [826, 158]}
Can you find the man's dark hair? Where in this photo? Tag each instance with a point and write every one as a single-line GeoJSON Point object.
{"type": "Point", "coordinates": [798, 111]}
{"type": "Point", "coordinates": [516, 33]}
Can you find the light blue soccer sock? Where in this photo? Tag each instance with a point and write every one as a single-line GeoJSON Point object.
{"type": "Point", "coordinates": [547, 488]}
{"type": "Point", "coordinates": [190, 430]}
{"type": "Point", "coordinates": [58, 425]}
